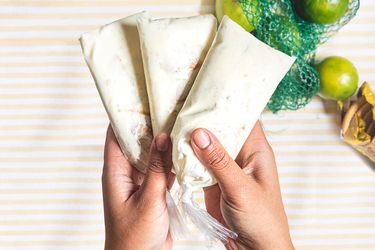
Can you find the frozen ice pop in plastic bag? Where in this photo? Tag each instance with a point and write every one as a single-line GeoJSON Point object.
{"type": "Point", "coordinates": [235, 82]}
{"type": "Point", "coordinates": [113, 55]}
{"type": "Point", "coordinates": [173, 50]}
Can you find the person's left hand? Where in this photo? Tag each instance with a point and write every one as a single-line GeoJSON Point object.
{"type": "Point", "coordinates": [135, 208]}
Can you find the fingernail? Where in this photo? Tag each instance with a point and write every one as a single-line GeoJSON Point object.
{"type": "Point", "coordinates": [201, 139]}
{"type": "Point", "coordinates": [161, 143]}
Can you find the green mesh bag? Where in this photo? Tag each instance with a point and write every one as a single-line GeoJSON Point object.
{"type": "Point", "coordinates": [277, 24]}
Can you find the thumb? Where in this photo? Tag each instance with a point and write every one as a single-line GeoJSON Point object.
{"type": "Point", "coordinates": [159, 168]}
{"type": "Point", "coordinates": [213, 156]}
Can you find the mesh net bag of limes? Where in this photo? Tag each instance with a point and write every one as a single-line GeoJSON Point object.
{"type": "Point", "coordinates": [278, 23]}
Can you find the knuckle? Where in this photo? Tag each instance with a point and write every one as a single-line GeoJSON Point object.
{"type": "Point", "coordinates": [157, 165]}
{"type": "Point", "coordinates": [263, 153]}
{"type": "Point", "coordinates": [267, 152]}
{"type": "Point", "coordinates": [218, 158]}
{"type": "Point", "coordinates": [267, 149]}
{"type": "Point", "coordinates": [270, 151]}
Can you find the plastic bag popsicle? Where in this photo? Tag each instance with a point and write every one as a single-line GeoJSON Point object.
{"type": "Point", "coordinates": [236, 80]}
{"type": "Point", "coordinates": [173, 50]}
{"type": "Point", "coordinates": [113, 55]}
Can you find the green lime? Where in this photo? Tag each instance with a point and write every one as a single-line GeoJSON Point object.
{"type": "Point", "coordinates": [235, 11]}
{"type": "Point", "coordinates": [338, 78]}
{"type": "Point", "coordinates": [321, 11]}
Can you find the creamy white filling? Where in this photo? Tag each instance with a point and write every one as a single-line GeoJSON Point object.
{"type": "Point", "coordinates": [173, 50]}
{"type": "Point", "coordinates": [113, 55]}
{"type": "Point", "coordinates": [237, 79]}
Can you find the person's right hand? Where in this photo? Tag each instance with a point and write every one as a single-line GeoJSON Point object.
{"type": "Point", "coordinates": [247, 197]}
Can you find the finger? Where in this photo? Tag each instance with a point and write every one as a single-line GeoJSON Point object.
{"type": "Point", "coordinates": [115, 162]}
{"type": "Point", "coordinates": [212, 195]}
{"type": "Point", "coordinates": [257, 132]}
{"type": "Point", "coordinates": [160, 164]}
{"type": "Point", "coordinates": [117, 171]}
{"type": "Point", "coordinates": [255, 142]}
{"type": "Point", "coordinates": [112, 151]}
{"type": "Point", "coordinates": [256, 156]}
{"type": "Point", "coordinates": [214, 157]}
{"type": "Point", "coordinates": [137, 176]}
{"type": "Point", "coordinates": [171, 180]}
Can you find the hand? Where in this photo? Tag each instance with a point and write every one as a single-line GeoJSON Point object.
{"type": "Point", "coordinates": [247, 197]}
{"type": "Point", "coordinates": [135, 207]}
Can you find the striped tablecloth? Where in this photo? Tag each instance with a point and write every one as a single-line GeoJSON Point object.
{"type": "Point", "coordinates": [52, 129]}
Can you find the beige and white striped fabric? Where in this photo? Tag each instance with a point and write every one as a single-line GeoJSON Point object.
{"type": "Point", "coordinates": [52, 129]}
